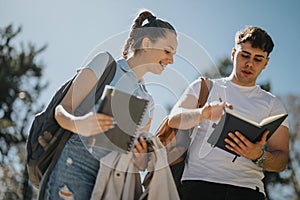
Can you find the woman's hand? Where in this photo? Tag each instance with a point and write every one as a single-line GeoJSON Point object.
{"type": "Point", "coordinates": [140, 154]}
{"type": "Point", "coordinates": [93, 123]}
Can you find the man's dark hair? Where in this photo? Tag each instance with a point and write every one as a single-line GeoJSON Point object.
{"type": "Point", "coordinates": [258, 37]}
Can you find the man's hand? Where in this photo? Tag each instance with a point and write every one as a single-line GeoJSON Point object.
{"type": "Point", "coordinates": [243, 147]}
{"type": "Point", "coordinates": [45, 139]}
{"type": "Point", "coordinates": [214, 111]}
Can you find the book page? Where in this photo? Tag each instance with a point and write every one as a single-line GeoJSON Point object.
{"type": "Point", "coordinates": [262, 123]}
{"type": "Point", "coordinates": [271, 119]}
{"type": "Point", "coordinates": [243, 118]}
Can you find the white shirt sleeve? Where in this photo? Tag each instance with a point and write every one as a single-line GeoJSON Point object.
{"type": "Point", "coordinates": [194, 88]}
{"type": "Point", "coordinates": [278, 108]}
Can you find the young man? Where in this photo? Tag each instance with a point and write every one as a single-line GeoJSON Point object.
{"type": "Point", "coordinates": [209, 172]}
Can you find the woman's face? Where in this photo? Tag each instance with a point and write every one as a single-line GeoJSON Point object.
{"type": "Point", "coordinates": [160, 53]}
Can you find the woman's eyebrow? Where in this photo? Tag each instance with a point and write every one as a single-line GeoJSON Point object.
{"type": "Point", "coordinates": [172, 48]}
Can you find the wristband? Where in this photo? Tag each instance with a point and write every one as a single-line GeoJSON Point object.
{"type": "Point", "coordinates": [259, 161]}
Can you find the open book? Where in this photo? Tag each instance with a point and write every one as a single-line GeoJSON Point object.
{"type": "Point", "coordinates": [231, 122]}
{"type": "Point", "coordinates": [128, 111]}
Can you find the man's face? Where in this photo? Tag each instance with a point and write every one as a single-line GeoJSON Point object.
{"type": "Point", "coordinates": [248, 63]}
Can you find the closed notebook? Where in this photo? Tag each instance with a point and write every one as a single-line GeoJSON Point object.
{"type": "Point", "coordinates": [128, 111]}
{"type": "Point", "coordinates": [231, 122]}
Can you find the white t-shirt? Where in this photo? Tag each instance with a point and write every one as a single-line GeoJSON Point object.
{"type": "Point", "coordinates": [214, 164]}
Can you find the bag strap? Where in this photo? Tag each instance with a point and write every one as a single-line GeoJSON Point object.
{"type": "Point", "coordinates": [206, 85]}
{"type": "Point", "coordinates": [204, 91]}
{"type": "Point", "coordinates": [95, 94]}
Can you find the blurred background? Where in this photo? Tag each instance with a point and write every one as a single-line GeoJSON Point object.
{"type": "Point", "coordinates": [42, 43]}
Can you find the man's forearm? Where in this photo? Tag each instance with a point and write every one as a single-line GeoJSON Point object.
{"type": "Point", "coordinates": [184, 118]}
{"type": "Point", "coordinates": [276, 161]}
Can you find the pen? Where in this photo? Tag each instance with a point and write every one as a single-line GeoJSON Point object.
{"type": "Point", "coordinates": [221, 102]}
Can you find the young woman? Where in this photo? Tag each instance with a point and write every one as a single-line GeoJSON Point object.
{"type": "Point", "coordinates": [150, 47]}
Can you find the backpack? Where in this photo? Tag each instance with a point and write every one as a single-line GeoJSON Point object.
{"type": "Point", "coordinates": [177, 141]}
{"type": "Point", "coordinates": [41, 160]}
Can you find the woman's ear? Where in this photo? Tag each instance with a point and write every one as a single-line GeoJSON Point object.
{"type": "Point", "coordinates": [146, 43]}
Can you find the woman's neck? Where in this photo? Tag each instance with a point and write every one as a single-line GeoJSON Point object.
{"type": "Point", "coordinates": [137, 65]}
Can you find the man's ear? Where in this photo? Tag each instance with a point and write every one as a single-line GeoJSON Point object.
{"type": "Point", "coordinates": [146, 43]}
{"type": "Point", "coordinates": [267, 61]}
{"type": "Point", "coordinates": [233, 53]}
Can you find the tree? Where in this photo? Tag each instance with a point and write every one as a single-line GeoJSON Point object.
{"type": "Point", "coordinates": [20, 84]}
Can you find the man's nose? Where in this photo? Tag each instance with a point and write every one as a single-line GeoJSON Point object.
{"type": "Point", "coordinates": [249, 63]}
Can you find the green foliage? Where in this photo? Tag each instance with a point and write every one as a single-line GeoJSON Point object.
{"type": "Point", "coordinates": [20, 85]}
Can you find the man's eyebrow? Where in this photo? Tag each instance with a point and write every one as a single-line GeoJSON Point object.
{"type": "Point", "coordinates": [256, 55]}
{"type": "Point", "coordinates": [244, 51]}
{"type": "Point", "coordinates": [260, 56]}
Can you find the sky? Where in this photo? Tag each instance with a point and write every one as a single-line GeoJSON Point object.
{"type": "Point", "coordinates": [74, 30]}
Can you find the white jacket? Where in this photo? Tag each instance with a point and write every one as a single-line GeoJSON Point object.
{"type": "Point", "coordinates": [119, 179]}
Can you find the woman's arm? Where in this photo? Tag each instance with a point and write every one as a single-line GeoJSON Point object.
{"type": "Point", "coordinates": [88, 124]}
